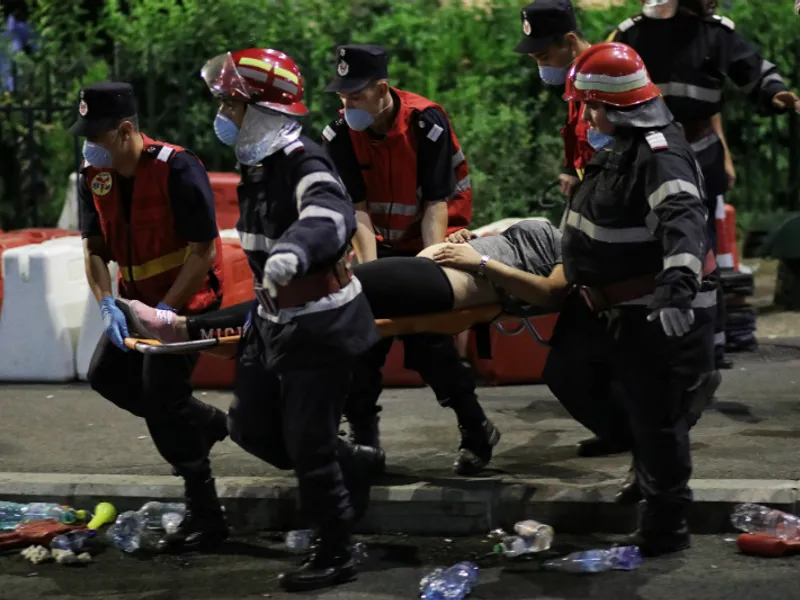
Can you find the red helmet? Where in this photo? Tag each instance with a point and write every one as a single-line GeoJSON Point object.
{"type": "Point", "coordinates": [257, 75]}
{"type": "Point", "coordinates": [611, 73]}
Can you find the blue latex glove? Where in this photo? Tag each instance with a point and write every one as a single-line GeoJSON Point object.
{"type": "Point", "coordinates": [162, 306]}
{"type": "Point", "coordinates": [116, 326]}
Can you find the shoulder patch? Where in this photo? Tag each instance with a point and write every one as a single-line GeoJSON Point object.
{"type": "Point", "coordinates": [294, 147]}
{"type": "Point", "coordinates": [656, 141]}
{"type": "Point", "coordinates": [724, 21]}
{"type": "Point", "coordinates": [628, 23]}
{"type": "Point", "coordinates": [435, 132]}
{"type": "Point", "coordinates": [328, 133]}
{"type": "Point", "coordinates": [159, 152]}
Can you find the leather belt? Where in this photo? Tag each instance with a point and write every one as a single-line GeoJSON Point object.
{"type": "Point", "coordinates": [309, 288]}
{"type": "Point", "coordinates": [605, 297]}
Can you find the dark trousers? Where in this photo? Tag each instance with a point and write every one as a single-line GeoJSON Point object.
{"type": "Point", "coordinates": [579, 374]}
{"type": "Point", "coordinates": [433, 356]}
{"type": "Point", "coordinates": [290, 419]}
{"type": "Point", "coordinates": [654, 372]}
{"type": "Point", "coordinates": [158, 389]}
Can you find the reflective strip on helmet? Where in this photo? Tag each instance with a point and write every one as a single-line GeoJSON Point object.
{"type": "Point", "coordinates": [285, 86]}
{"type": "Point", "coordinates": [255, 62]}
{"type": "Point", "coordinates": [286, 74]}
{"type": "Point", "coordinates": [626, 235]}
{"type": "Point", "coordinates": [253, 74]}
{"type": "Point", "coordinates": [610, 84]}
{"type": "Point", "coordinates": [695, 92]}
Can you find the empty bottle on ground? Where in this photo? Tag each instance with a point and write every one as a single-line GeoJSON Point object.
{"type": "Point", "coordinates": [453, 583]}
{"type": "Point", "coordinates": [754, 518]}
{"type": "Point", "coordinates": [625, 558]}
{"type": "Point", "coordinates": [14, 513]}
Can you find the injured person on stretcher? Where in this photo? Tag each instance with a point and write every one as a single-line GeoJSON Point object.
{"type": "Point", "coordinates": [519, 269]}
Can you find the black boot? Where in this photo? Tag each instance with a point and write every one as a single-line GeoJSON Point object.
{"type": "Point", "coordinates": [629, 493]}
{"type": "Point", "coordinates": [204, 525]}
{"type": "Point", "coordinates": [722, 361]}
{"type": "Point", "coordinates": [660, 534]}
{"type": "Point", "coordinates": [365, 432]}
{"type": "Point", "coordinates": [360, 466]}
{"type": "Point", "coordinates": [331, 563]}
{"type": "Point", "coordinates": [475, 450]}
{"type": "Point", "coordinates": [598, 446]}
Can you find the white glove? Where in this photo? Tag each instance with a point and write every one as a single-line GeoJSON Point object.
{"type": "Point", "coordinates": [279, 270]}
{"type": "Point", "coordinates": [675, 321]}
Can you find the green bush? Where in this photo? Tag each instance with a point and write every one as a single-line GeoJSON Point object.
{"type": "Point", "coordinates": [461, 57]}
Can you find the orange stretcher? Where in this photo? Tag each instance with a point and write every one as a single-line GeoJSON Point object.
{"type": "Point", "coordinates": [450, 323]}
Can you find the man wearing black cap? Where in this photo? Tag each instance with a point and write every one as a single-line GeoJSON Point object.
{"type": "Point", "coordinates": [407, 176]}
{"type": "Point", "coordinates": [148, 206]}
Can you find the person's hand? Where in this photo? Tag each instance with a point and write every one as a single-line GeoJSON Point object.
{"type": "Point", "coordinates": [676, 322]}
{"type": "Point", "coordinates": [279, 270]}
{"type": "Point", "coordinates": [730, 171]}
{"type": "Point", "coordinates": [458, 256]}
{"type": "Point", "coordinates": [114, 323]}
{"type": "Point", "coordinates": [787, 100]}
{"type": "Point", "coordinates": [568, 183]}
{"type": "Point", "coordinates": [460, 237]}
{"type": "Point", "coordinates": [164, 306]}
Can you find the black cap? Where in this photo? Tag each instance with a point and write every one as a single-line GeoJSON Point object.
{"type": "Point", "coordinates": [357, 65]}
{"type": "Point", "coordinates": [543, 21]}
{"type": "Point", "coordinates": [102, 106]}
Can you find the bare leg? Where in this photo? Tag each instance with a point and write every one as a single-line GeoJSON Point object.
{"type": "Point", "coordinates": [468, 288]}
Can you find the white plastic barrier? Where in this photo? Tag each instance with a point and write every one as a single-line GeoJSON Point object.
{"type": "Point", "coordinates": [45, 293]}
{"type": "Point", "coordinates": [503, 224]}
{"type": "Point", "coordinates": [91, 327]}
{"type": "Point", "coordinates": [69, 213]}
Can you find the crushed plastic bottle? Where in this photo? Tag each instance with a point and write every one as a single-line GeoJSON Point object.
{"type": "Point", "coordinates": [299, 540]}
{"type": "Point", "coordinates": [754, 518]}
{"type": "Point", "coordinates": [74, 541]}
{"type": "Point", "coordinates": [454, 583]}
{"type": "Point", "coordinates": [129, 534]}
{"type": "Point", "coordinates": [153, 513]}
{"type": "Point", "coordinates": [625, 558]}
{"type": "Point", "coordinates": [14, 513]}
{"type": "Point", "coordinates": [532, 537]}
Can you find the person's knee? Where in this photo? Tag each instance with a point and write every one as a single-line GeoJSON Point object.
{"type": "Point", "coordinates": [253, 439]}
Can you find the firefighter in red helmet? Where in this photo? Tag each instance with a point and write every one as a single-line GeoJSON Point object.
{"type": "Point", "coordinates": [408, 178]}
{"type": "Point", "coordinates": [312, 320]}
{"type": "Point", "coordinates": [147, 205]}
{"type": "Point", "coordinates": [636, 248]}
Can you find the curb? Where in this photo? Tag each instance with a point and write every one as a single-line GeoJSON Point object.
{"type": "Point", "coordinates": [447, 507]}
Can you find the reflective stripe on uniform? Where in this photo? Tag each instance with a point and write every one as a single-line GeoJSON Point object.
{"type": "Point", "coordinates": [384, 208]}
{"type": "Point", "coordinates": [671, 188]}
{"type": "Point", "coordinates": [463, 185]}
{"type": "Point", "coordinates": [694, 264]}
{"type": "Point", "coordinates": [627, 235]}
{"type": "Point", "coordinates": [330, 302]}
{"type": "Point", "coordinates": [320, 212]}
{"type": "Point", "coordinates": [154, 267]}
{"type": "Point", "coordinates": [458, 158]}
{"type": "Point", "coordinates": [312, 179]}
{"type": "Point", "coordinates": [685, 90]}
{"type": "Point", "coordinates": [255, 242]}
{"type": "Point", "coordinates": [704, 143]}
{"type": "Point", "coordinates": [702, 300]}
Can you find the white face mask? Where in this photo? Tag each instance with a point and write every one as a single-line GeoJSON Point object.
{"type": "Point", "coordinates": [263, 133]}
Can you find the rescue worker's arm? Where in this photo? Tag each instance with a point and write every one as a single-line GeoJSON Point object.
{"type": "Point", "coordinates": [436, 176]}
{"type": "Point", "coordinates": [754, 75]}
{"type": "Point", "coordinates": [730, 171]}
{"type": "Point", "coordinates": [337, 143]}
{"type": "Point", "coordinates": [677, 218]}
{"type": "Point", "coordinates": [326, 220]}
{"type": "Point", "coordinates": [568, 179]}
{"type": "Point", "coordinates": [95, 251]}
{"type": "Point", "coordinates": [195, 221]}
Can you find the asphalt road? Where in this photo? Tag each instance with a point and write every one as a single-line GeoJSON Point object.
{"type": "Point", "coordinates": [247, 570]}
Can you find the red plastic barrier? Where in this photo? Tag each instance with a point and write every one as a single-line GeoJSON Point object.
{"type": "Point", "coordinates": [219, 373]}
{"type": "Point", "coordinates": [394, 372]}
{"type": "Point", "coordinates": [42, 234]}
{"type": "Point", "coordinates": [226, 202]}
{"type": "Point", "coordinates": [730, 229]}
{"type": "Point", "coordinates": [515, 358]}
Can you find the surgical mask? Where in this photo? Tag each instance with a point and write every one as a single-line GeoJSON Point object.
{"type": "Point", "coordinates": [553, 75]}
{"type": "Point", "coordinates": [358, 119]}
{"type": "Point", "coordinates": [599, 140]}
{"type": "Point", "coordinates": [264, 133]}
{"type": "Point", "coordinates": [227, 131]}
{"type": "Point", "coordinates": [97, 156]}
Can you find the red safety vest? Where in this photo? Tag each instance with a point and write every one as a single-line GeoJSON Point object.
{"type": "Point", "coordinates": [148, 251]}
{"type": "Point", "coordinates": [577, 151]}
{"type": "Point", "coordinates": [389, 167]}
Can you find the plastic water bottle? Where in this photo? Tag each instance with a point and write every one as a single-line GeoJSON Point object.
{"type": "Point", "coordinates": [74, 541]}
{"type": "Point", "coordinates": [154, 514]}
{"type": "Point", "coordinates": [14, 513]}
{"type": "Point", "coordinates": [625, 558]}
{"type": "Point", "coordinates": [126, 532]}
{"type": "Point", "coordinates": [300, 540]}
{"type": "Point", "coordinates": [454, 583]}
{"type": "Point", "coordinates": [754, 518]}
{"type": "Point", "coordinates": [10, 515]}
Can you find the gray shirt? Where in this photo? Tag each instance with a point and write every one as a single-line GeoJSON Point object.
{"type": "Point", "coordinates": [533, 246]}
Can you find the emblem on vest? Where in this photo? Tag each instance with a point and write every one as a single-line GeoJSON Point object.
{"type": "Point", "coordinates": [526, 26]}
{"type": "Point", "coordinates": [343, 69]}
{"type": "Point", "coordinates": [101, 184]}
{"type": "Point", "coordinates": [83, 108]}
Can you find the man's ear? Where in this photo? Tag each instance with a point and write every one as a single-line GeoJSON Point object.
{"type": "Point", "coordinates": [127, 128]}
{"type": "Point", "coordinates": [383, 87]}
